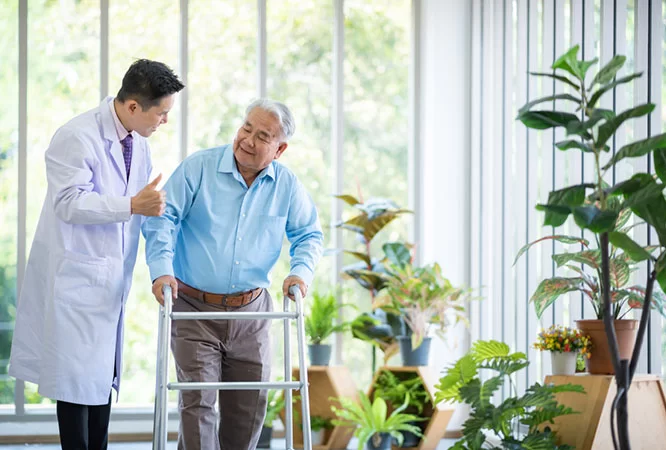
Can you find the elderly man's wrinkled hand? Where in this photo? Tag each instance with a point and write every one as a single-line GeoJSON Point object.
{"type": "Point", "coordinates": [158, 287]}
{"type": "Point", "coordinates": [290, 281]}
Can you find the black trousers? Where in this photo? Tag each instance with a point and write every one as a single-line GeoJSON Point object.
{"type": "Point", "coordinates": [83, 427]}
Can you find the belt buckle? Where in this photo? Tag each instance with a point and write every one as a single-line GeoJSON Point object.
{"type": "Point", "coordinates": [224, 300]}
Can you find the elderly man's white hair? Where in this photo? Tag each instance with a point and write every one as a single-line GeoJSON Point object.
{"type": "Point", "coordinates": [280, 111]}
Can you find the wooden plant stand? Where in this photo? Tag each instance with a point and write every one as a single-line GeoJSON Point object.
{"type": "Point", "coordinates": [438, 416]}
{"type": "Point", "coordinates": [324, 383]}
{"type": "Point", "coordinates": [590, 430]}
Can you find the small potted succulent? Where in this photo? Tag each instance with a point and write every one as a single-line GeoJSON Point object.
{"type": "Point", "coordinates": [564, 345]}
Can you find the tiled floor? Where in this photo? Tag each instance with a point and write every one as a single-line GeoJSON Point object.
{"type": "Point", "coordinates": [277, 444]}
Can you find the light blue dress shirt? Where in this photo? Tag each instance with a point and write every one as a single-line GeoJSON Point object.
{"type": "Point", "coordinates": [219, 236]}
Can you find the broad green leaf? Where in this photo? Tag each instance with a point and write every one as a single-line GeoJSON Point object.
{"type": "Point", "coordinates": [348, 199]}
{"type": "Point", "coordinates": [549, 98]}
{"type": "Point", "coordinates": [571, 196]}
{"type": "Point", "coordinates": [571, 143]}
{"type": "Point", "coordinates": [608, 72]}
{"type": "Point", "coordinates": [653, 213]}
{"type": "Point", "coordinates": [397, 253]}
{"type": "Point", "coordinates": [630, 247]}
{"type": "Point", "coordinates": [569, 63]}
{"type": "Point", "coordinates": [635, 183]}
{"type": "Point", "coordinates": [645, 194]}
{"type": "Point", "coordinates": [637, 149]}
{"type": "Point", "coordinates": [603, 89]}
{"type": "Point", "coordinates": [556, 215]}
{"type": "Point", "coordinates": [542, 120]}
{"type": "Point", "coordinates": [559, 238]}
{"type": "Point", "coordinates": [584, 66]}
{"type": "Point", "coordinates": [590, 258]}
{"type": "Point", "coordinates": [610, 127]}
{"type": "Point", "coordinates": [462, 372]}
{"type": "Point", "coordinates": [594, 219]}
{"type": "Point", "coordinates": [659, 158]}
{"type": "Point", "coordinates": [552, 288]}
{"type": "Point", "coordinates": [561, 78]}
{"type": "Point", "coordinates": [583, 128]}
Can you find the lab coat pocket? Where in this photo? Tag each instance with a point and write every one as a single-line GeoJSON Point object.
{"type": "Point", "coordinates": [81, 280]}
{"type": "Point", "coordinates": [272, 233]}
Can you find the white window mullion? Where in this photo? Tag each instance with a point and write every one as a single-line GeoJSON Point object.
{"type": "Point", "coordinates": [261, 48]}
{"type": "Point", "coordinates": [183, 62]}
{"type": "Point", "coordinates": [19, 387]}
{"type": "Point", "coordinates": [337, 149]}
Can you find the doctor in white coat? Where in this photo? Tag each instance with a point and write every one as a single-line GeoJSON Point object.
{"type": "Point", "coordinates": [69, 325]}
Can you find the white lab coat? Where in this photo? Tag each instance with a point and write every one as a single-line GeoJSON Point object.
{"type": "Point", "coordinates": [69, 322]}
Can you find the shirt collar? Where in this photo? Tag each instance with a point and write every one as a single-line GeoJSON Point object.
{"type": "Point", "coordinates": [228, 165]}
{"type": "Point", "coordinates": [120, 129]}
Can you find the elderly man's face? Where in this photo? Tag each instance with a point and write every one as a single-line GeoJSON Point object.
{"type": "Point", "coordinates": [258, 141]}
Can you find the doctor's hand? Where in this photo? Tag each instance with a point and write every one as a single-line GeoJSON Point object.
{"type": "Point", "coordinates": [149, 201]}
{"type": "Point", "coordinates": [290, 281]}
{"type": "Point", "coordinates": [158, 285]}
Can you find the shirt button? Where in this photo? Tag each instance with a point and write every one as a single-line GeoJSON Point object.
{"type": "Point", "coordinates": [233, 285]}
{"type": "Point", "coordinates": [240, 238]}
{"type": "Point", "coordinates": [237, 262]}
{"type": "Point", "coordinates": [243, 215]}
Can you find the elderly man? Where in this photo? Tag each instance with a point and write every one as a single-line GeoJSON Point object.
{"type": "Point", "coordinates": [228, 209]}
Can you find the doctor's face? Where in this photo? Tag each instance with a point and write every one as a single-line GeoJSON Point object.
{"type": "Point", "coordinates": [147, 122]}
{"type": "Point", "coordinates": [259, 141]}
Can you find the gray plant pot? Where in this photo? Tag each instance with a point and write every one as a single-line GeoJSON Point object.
{"type": "Point", "coordinates": [265, 438]}
{"type": "Point", "coordinates": [320, 354]}
{"type": "Point", "coordinates": [409, 438]}
{"type": "Point", "coordinates": [418, 357]}
{"type": "Point", "coordinates": [384, 443]}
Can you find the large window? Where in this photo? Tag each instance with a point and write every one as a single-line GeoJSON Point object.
{"type": "Point", "coordinates": [77, 55]}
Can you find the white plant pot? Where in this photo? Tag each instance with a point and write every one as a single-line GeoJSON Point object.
{"type": "Point", "coordinates": [563, 363]}
{"type": "Point", "coordinates": [318, 437]}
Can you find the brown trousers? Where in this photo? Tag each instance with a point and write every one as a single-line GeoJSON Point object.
{"type": "Point", "coordinates": [221, 350]}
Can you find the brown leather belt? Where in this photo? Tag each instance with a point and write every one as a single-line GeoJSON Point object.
{"type": "Point", "coordinates": [234, 300]}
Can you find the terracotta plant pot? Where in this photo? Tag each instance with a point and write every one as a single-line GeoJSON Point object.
{"type": "Point", "coordinates": [600, 363]}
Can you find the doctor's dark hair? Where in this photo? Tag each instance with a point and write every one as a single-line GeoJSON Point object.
{"type": "Point", "coordinates": [148, 82]}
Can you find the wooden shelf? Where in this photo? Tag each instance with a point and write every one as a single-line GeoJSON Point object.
{"type": "Point", "coordinates": [590, 430]}
{"type": "Point", "coordinates": [437, 416]}
{"type": "Point", "coordinates": [324, 383]}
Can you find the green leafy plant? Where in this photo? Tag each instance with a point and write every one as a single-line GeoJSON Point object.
{"type": "Point", "coordinates": [463, 383]}
{"type": "Point", "coordinates": [424, 298]}
{"type": "Point", "coordinates": [372, 419]}
{"type": "Point", "coordinates": [320, 423]}
{"type": "Point", "coordinates": [598, 206]}
{"type": "Point", "coordinates": [275, 405]}
{"type": "Point", "coordinates": [395, 391]}
{"type": "Point", "coordinates": [624, 296]}
{"type": "Point", "coordinates": [321, 317]}
{"type": "Point", "coordinates": [373, 215]}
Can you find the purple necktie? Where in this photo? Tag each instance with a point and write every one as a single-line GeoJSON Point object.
{"type": "Point", "coordinates": [127, 152]}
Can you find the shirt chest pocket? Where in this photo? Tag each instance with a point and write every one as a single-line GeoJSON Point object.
{"type": "Point", "coordinates": [270, 233]}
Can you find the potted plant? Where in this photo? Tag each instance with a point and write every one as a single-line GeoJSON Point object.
{"type": "Point", "coordinates": [373, 215]}
{"type": "Point", "coordinates": [396, 391]}
{"type": "Point", "coordinates": [598, 206]}
{"type": "Point", "coordinates": [319, 427]}
{"type": "Point", "coordinates": [564, 345]}
{"type": "Point", "coordinates": [463, 383]}
{"type": "Point", "coordinates": [375, 427]}
{"type": "Point", "coordinates": [424, 298]}
{"type": "Point", "coordinates": [580, 271]}
{"type": "Point", "coordinates": [274, 405]}
{"type": "Point", "coordinates": [320, 324]}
